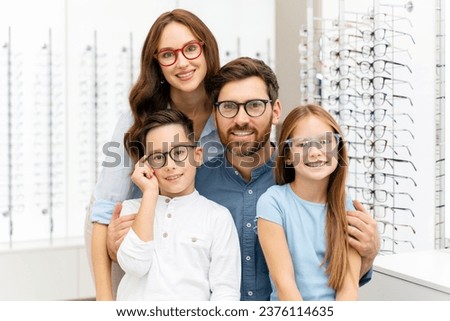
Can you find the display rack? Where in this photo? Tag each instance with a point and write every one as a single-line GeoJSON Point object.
{"type": "Point", "coordinates": [360, 67]}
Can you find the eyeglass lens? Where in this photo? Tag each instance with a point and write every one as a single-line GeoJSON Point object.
{"type": "Point", "coordinates": [190, 51]}
{"type": "Point", "coordinates": [253, 108]}
{"type": "Point", "coordinates": [177, 153]}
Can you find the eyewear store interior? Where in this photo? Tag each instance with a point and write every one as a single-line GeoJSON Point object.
{"type": "Point", "coordinates": [378, 66]}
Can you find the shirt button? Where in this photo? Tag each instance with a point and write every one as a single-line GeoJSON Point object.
{"type": "Point", "coordinates": [167, 200]}
{"type": "Point", "coordinates": [236, 172]}
{"type": "Point", "coordinates": [194, 239]}
{"type": "Point", "coordinates": [248, 258]}
{"type": "Point", "coordinates": [250, 293]}
{"type": "Point", "coordinates": [169, 215]}
{"type": "Point", "coordinates": [165, 234]}
{"type": "Point", "coordinates": [250, 191]}
{"type": "Point", "coordinates": [249, 225]}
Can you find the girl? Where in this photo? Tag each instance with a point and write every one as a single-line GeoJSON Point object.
{"type": "Point", "coordinates": [179, 53]}
{"type": "Point", "coordinates": [302, 221]}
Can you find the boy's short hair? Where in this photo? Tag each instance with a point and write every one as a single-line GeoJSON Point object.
{"type": "Point", "coordinates": [136, 149]}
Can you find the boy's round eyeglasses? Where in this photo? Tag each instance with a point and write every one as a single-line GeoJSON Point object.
{"type": "Point", "coordinates": [190, 51]}
{"type": "Point", "coordinates": [253, 108]}
{"type": "Point", "coordinates": [177, 153]}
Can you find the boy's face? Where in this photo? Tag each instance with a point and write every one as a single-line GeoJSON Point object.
{"type": "Point", "coordinates": [175, 178]}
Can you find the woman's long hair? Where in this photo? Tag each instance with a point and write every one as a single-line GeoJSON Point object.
{"type": "Point", "coordinates": [336, 253]}
{"type": "Point", "coordinates": [151, 92]}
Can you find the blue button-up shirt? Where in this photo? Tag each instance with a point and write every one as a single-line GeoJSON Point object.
{"type": "Point", "coordinates": [220, 182]}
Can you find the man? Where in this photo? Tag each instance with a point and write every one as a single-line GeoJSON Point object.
{"type": "Point", "coordinates": [245, 92]}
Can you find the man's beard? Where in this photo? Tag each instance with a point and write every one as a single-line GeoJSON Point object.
{"type": "Point", "coordinates": [245, 148]}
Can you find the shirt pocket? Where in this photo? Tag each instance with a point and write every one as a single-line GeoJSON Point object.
{"type": "Point", "coordinates": [196, 240]}
{"type": "Point", "coordinates": [196, 248]}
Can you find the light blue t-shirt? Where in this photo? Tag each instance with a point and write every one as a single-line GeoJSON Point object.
{"type": "Point", "coordinates": [303, 223]}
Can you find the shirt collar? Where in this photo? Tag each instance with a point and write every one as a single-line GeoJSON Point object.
{"type": "Point", "coordinates": [256, 172]}
{"type": "Point", "coordinates": [209, 126]}
{"type": "Point", "coordinates": [179, 200]}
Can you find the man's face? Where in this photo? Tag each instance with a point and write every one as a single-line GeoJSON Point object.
{"type": "Point", "coordinates": [244, 135]}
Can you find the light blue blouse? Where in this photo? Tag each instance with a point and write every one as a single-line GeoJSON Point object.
{"type": "Point", "coordinates": [114, 183]}
{"type": "Point", "coordinates": [303, 223]}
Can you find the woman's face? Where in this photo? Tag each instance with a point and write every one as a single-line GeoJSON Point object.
{"type": "Point", "coordinates": [184, 75]}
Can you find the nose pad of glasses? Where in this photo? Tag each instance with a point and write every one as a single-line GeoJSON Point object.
{"type": "Point", "coordinates": [241, 116]}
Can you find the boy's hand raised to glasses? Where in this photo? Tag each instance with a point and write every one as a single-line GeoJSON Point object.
{"type": "Point", "coordinates": [144, 177]}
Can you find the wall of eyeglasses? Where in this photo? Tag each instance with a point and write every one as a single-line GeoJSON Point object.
{"type": "Point", "coordinates": [440, 237]}
{"type": "Point", "coordinates": [33, 170]}
{"type": "Point", "coordinates": [371, 64]}
{"type": "Point", "coordinates": [64, 82]}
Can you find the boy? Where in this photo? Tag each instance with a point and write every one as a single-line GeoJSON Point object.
{"type": "Point", "coordinates": [181, 246]}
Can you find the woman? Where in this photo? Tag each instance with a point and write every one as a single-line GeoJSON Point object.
{"type": "Point", "coordinates": [178, 54]}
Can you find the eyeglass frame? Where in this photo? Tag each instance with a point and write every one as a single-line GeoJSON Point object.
{"type": "Point", "coordinates": [377, 61]}
{"type": "Point", "coordinates": [369, 35]}
{"type": "Point", "coordinates": [385, 160]}
{"type": "Point", "coordinates": [244, 104]}
{"type": "Point", "coordinates": [394, 209]}
{"type": "Point", "coordinates": [175, 51]}
{"type": "Point", "coordinates": [169, 152]}
{"type": "Point", "coordinates": [314, 141]}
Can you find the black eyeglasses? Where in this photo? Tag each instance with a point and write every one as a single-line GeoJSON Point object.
{"type": "Point", "coordinates": [379, 145]}
{"type": "Point", "coordinates": [190, 51]}
{"type": "Point", "coordinates": [380, 162]}
{"type": "Point", "coordinates": [379, 50]}
{"type": "Point", "coordinates": [253, 108]}
{"type": "Point", "coordinates": [378, 82]}
{"type": "Point", "coordinates": [379, 65]}
{"type": "Point", "coordinates": [343, 99]}
{"type": "Point", "coordinates": [343, 54]}
{"type": "Point", "coordinates": [378, 131]}
{"type": "Point", "coordinates": [380, 210]}
{"type": "Point", "coordinates": [379, 98]}
{"type": "Point", "coordinates": [177, 153]}
{"type": "Point", "coordinates": [379, 195]}
{"type": "Point", "coordinates": [342, 84]}
{"type": "Point", "coordinates": [380, 178]}
{"type": "Point", "coordinates": [342, 70]}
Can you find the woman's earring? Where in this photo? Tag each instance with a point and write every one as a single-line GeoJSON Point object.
{"type": "Point", "coordinates": [162, 81]}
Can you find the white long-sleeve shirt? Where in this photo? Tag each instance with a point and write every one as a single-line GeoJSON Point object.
{"type": "Point", "coordinates": [194, 255]}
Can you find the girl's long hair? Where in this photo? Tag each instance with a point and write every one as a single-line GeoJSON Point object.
{"type": "Point", "coordinates": [151, 92]}
{"type": "Point", "coordinates": [336, 253]}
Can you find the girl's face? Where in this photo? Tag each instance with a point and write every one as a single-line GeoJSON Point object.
{"type": "Point", "coordinates": [175, 178]}
{"type": "Point", "coordinates": [184, 75]}
{"type": "Point", "coordinates": [314, 150]}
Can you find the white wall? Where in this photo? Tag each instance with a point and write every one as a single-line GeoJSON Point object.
{"type": "Point", "coordinates": [50, 53]}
